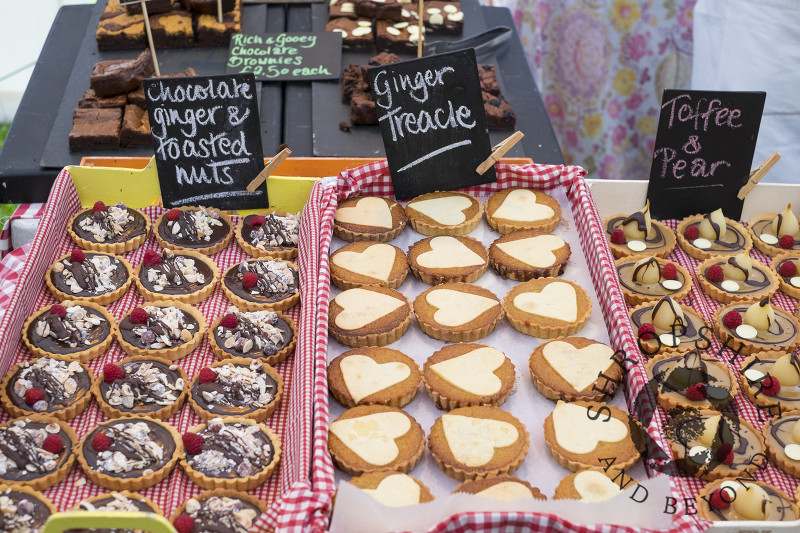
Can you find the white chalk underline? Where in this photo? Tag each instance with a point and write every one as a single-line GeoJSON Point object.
{"type": "Point", "coordinates": [695, 187]}
{"type": "Point", "coordinates": [434, 153]}
{"type": "Point", "coordinates": [201, 197]}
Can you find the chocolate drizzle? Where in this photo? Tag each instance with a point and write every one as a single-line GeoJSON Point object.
{"type": "Point", "coordinates": [114, 502]}
{"type": "Point", "coordinates": [781, 331]}
{"type": "Point", "coordinates": [71, 334]}
{"type": "Point", "coordinates": [627, 279]}
{"type": "Point", "coordinates": [147, 386]}
{"type": "Point", "coordinates": [734, 240]}
{"type": "Point", "coordinates": [655, 240]}
{"type": "Point", "coordinates": [755, 279]}
{"type": "Point", "coordinates": [118, 223]}
{"type": "Point", "coordinates": [276, 280]}
{"type": "Point", "coordinates": [222, 515]}
{"type": "Point", "coordinates": [176, 274]}
{"type": "Point", "coordinates": [197, 228]}
{"type": "Point", "coordinates": [62, 383]}
{"type": "Point", "coordinates": [238, 389]}
{"type": "Point", "coordinates": [232, 450]}
{"type": "Point", "coordinates": [687, 430]}
{"type": "Point", "coordinates": [21, 512]}
{"type": "Point", "coordinates": [761, 227]}
{"type": "Point", "coordinates": [97, 274]}
{"type": "Point", "coordinates": [674, 375]}
{"type": "Point", "coordinates": [781, 510]}
{"type": "Point", "coordinates": [257, 334]}
{"type": "Point", "coordinates": [165, 327]}
{"type": "Point", "coordinates": [135, 447]}
{"type": "Point", "coordinates": [277, 232]}
{"type": "Point", "coordinates": [21, 456]}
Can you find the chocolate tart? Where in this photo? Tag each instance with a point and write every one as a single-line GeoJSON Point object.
{"type": "Point", "coordinates": [782, 446]}
{"type": "Point", "coordinates": [180, 275]}
{"type": "Point", "coordinates": [502, 488]}
{"type": "Point", "coordinates": [372, 375]}
{"type": "Point", "coordinates": [477, 442]}
{"type": "Point", "coordinates": [267, 335]}
{"type": "Point", "coordinates": [579, 434]}
{"type": "Point", "coordinates": [692, 332]}
{"type": "Point", "coordinates": [122, 466]}
{"type": "Point", "coordinates": [123, 501]}
{"type": "Point", "coordinates": [515, 209]}
{"type": "Point", "coordinates": [783, 334]}
{"type": "Point", "coordinates": [575, 368]}
{"type": "Point", "coordinates": [200, 229]}
{"type": "Point", "coordinates": [754, 371]}
{"type": "Point", "coordinates": [547, 307]}
{"type": "Point", "coordinates": [27, 462]}
{"type": "Point", "coordinates": [737, 240]}
{"type": "Point", "coordinates": [760, 282]}
{"type": "Point", "coordinates": [233, 456]}
{"type": "Point", "coordinates": [66, 388]}
{"type": "Point", "coordinates": [247, 388]}
{"type": "Point", "coordinates": [457, 312]}
{"type": "Point", "coordinates": [446, 258]}
{"type": "Point", "coordinates": [368, 316]}
{"type": "Point", "coordinates": [695, 438]}
{"type": "Point", "coordinates": [461, 375]}
{"type": "Point", "coordinates": [277, 287]}
{"type": "Point", "coordinates": [369, 218]}
{"type": "Point", "coordinates": [393, 489]}
{"type": "Point", "coordinates": [395, 440]}
{"type": "Point", "coordinates": [151, 387]}
{"type": "Point", "coordinates": [774, 505]}
{"type": "Point", "coordinates": [672, 375]}
{"type": "Point", "coordinates": [277, 236]}
{"type": "Point", "coordinates": [85, 332]}
{"type": "Point", "coordinates": [659, 242]}
{"type": "Point", "coordinates": [444, 213]}
{"type": "Point", "coordinates": [364, 263]}
{"type": "Point", "coordinates": [222, 510]}
{"type": "Point", "coordinates": [789, 285]}
{"type": "Point", "coordinates": [99, 278]}
{"type": "Point", "coordinates": [528, 254]}
{"type": "Point", "coordinates": [593, 485]}
{"type": "Point", "coordinates": [177, 330]}
{"type": "Point", "coordinates": [765, 239]}
{"type": "Point", "coordinates": [114, 230]}
{"type": "Point", "coordinates": [644, 282]}
{"type": "Point", "coordinates": [23, 509]}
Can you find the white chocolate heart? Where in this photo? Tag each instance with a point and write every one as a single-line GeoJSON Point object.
{"type": "Point", "coordinates": [506, 491]}
{"type": "Point", "coordinates": [593, 486]}
{"type": "Point", "coordinates": [448, 252]}
{"type": "Point", "coordinates": [368, 211]}
{"type": "Point", "coordinates": [473, 371]}
{"type": "Point", "coordinates": [363, 376]}
{"type": "Point", "coordinates": [376, 261]}
{"type": "Point", "coordinates": [577, 433]}
{"type": "Point", "coordinates": [520, 206]}
{"type": "Point", "coordinates": [396, 490]}
{"type": "Point", "coordinates": [557, 300]}
{"type": "Point", "coordinates": [371, 437]}
{"type": "Point", "coordinates": [578, 367]}
{"type": "Point", "coordinates": [456, 308]}
{"type": "Point", "coordinates": [446, 210]}
{"type": "Point", "coordinates": [361, 307]}
{"type": "Point", "coordinates": [473, 440]}
{"type": "Point", "coordinates": [534, 251]}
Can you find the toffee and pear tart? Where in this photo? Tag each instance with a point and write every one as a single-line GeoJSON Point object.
{"type": "Point", "coordinates": [650, 278]}
{"type": "Point", "coordinates": [691, 381]}
{"type": "Point", "coordinates": [114, 229]}
{"type": "Point", "coordinates": [669, 327]}
{"type": "Point", "coordinates": [363, 263]}
{"type": "Point", "coordinates": [527, 254]}
{"type": "Point", "coordinates": [444, 213]}
{"type": "Point", "coordinates": [753, 327]}
{"type": "Point", "coordinates": [23, 510]}
{"type": "Point", "coordinates": [515, 209]}
{"type": "Point", "coordinates": [737, 278]}
{"type": "Point", "coordinates": [735, 500]}
{"type": "Point", "coordinates": [267, 335]}
{"type": "Point", "coordinates": [393, 489]}
{"type": "Point", "coordinates": [547, 307]}
{"type": "Point", "coordinates": [164, 329]}
{"type": "Point", "coordinates": [786, 267]}
{"type": "Point", "coordinates": [457, 312]}
{"type": "Point", "coordinates": [89, 276]}
{"type": "Point", "coordinates": [179, 275]}
{"type": "Point", "coordinates": [36, 451]}
{"type": "Point", "coordinates": [262, 284]}
{"type": "Point", "coordinates": [771, 381]}
{"type": "Point", "coordinates": [368, 316]}
{"type": "Point", "coordinates": [782, 436]}
{"type": "Point", "coordinates": [73, 331]}
{"type": "Point", "coordinates": [369, 218]}
{"type": "Point", "coordinates": [274, 234]}
{"type": "Point", "coordinates": [373, 375]}
{"type": "Point", "coordinates": [638, 234]}
{"type": "Point", "coordinates": [204, 230]}
{"type": "Point", "coordinates": [776, 233]}
{"type": "Point", "coordinates": [448, 258]}
{"type": "Point", "coordinates": [712, 234]}
{"type": "Point", "coordinates": [218, 511]}
{"type": "Point", "coordinates": [50, 386]}
{"type": "Point", "coordinates": [502, 488]}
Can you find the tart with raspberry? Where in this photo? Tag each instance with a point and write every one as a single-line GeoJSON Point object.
{"type": "Point", "coordinates": [164, 329]}
{"type": "Point", "coordinates": [736, 278]}
{"type": "Point", "coordinates": [23, 509]}
{"type": "Point", "coordinates": [114, 229]}
{"type": "Point", "coordinates": [649, 278]}
{"type": "Point", "coordinates": [140, 385]}
{"type": "Point", "coordinates": [368, 316]}
{"type": "Point", "coordinates": [363, 263]}
{"type": "Point", "coordinates": [393, 489]}
{"type": "Point", "coordinates": [204, 230]}
{"type": "Point", "coordinates": [49, 386]}
{"type": "Point", "coordinates": [637, 234]}
{"type": "Point", "coordinates": [691, 381]}
{"type": "Point", "coordinates": [236, 387]}
{"type": "Point", "coordinates": [735, 500]}
{"type": "Point", "coordinates": [786, 268]}
{"type": "Point", "coordinates": [516, 209]}
{"type": "Point", "coordinates": [267, 335]}
{"type": "Point", "coordinates": [129, 453]}
{"type": "Point", "coordinates": [444, 213]}
{"type": "Point", "coordinates": [262, 284]}
{"type": "Point", "coordinates": [776, 233]}
{"type": "Point", "coordinates": [666, 326]}
{"type": "Point", "coordinates": [712, 234]}
{"type": "Point", "coordinates": [754, 327]}
{"type": "Point", "coordinates": [37, 450]}
{"type": "Point", "coordinates": [447, 258]}
{"type": "Point", "coordinates": [183, 276]}
{"type": "Point", "coordinates": [502, 488]}
{"type": "Point", "coordinates": [771, 381]}
{"type": "Point", "coordinates": [273, 234]}
{"type": "Point", "coordinates": [369, 218]}
{"type": "Point", "coordinates": [218, 509]}
{"type": "Point", "coordinates": [73, 331]}
{"type": "Point", "coordinates": [373, 375]}
{"type": "Point", "coordinates": [118, 502]}
{"type": "Point", "coordinates": [89, 276]}
{"type": "Point", "coordinates": [234, 453]}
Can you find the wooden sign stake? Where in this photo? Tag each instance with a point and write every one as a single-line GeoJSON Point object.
{"type": "Point", "coordinates": [269, 169]}
{"type": "Point", "coordinates": [421, 33]}
{"type": "Point", "coordinates": [219, 11]}
{"type": "Point", "coordinates": [150, 37]}
{"type": "Point", "coordinates": [757, 173]}
{"type": "Point", "coordinates": [499, 151]}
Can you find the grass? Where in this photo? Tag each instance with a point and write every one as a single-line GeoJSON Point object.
{"type": "Point", "coordinates": [3, 132]}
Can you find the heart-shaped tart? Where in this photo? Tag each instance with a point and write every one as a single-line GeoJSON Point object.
{"type": "Point", "coordinates": [363, 263]}
{"type": "Point", "coordinates": [373, 375]}
{"type": "Point", "coordinates": [393, 489]}
{"type": "Point", "coordinates": [547, 307]}
{"type": "Point", "coordinates": [712, 235]}
{"type": "Point", "coordinates": [461, 375]}
{"type": "Point", "coordinates": [776, 233]}
{"type": "Point", "coordinates": [273, 234]}
{"type": "Point", "coordinates": [502, 488]}
{"type": "Point", "coordinates": [736, 278]}
{"type": "Point", "coordinates": [368, 316]}
{"type": "Point", "coordinates": [528, 254]}
{"type": "Point", "coordinates": [446, 258]}
{"type": "Point", "coordinates": [368, 218]}
{"type": "Point", "coordinates": [515, 209]}
{"type": "Point", "coordinates": [457, 312]}
{"type": "Point", "coordinates": [477, 442]}
{"type": "Point", "coordinates": [771, 381]}
{"type": "Point", "coordinates": [594, 485]}
{"type": "Point", "coordinates": [576, 368]}
{"type": "Point", "coordinates": [691, 381]}
{"type": "Point", "coordinates": [204, 230]}
{"type": "Point", "coordinates": [444, 213]}
{"type": "Point", "coordinates": [782, 436]}
{"type": "Point", "coordinates": [787, 270]}
{"type": "Point", "coordinates": [754, 327]}
{"type": "Point", "coordinates": [23, 509]}
{"type": "Point", "coordinates": [73, 331]}
{"type": "Point", "coordinates": [90, 277]}
{"type": "Point", "coordinates": [637, 234]}
{"type": "Point", "coordinates": [65, 388]}
{"type": "Point", "coordinates": [668, 327]}
{"type": "Point", "coordinates": [114, 229]}
{"type": "Point", "coordinates": [649, 278]}
{"type": "Point", "coordinates": [371, 438]}
{"type": "Point", "coordinates": [728, 499]}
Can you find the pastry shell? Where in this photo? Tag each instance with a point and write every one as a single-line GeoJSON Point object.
{"type": "Point", "coordinates": [346, 279]}
{"type": "Point", "coordinates": [209, 250]}
{"type": "Point", "coordinates": [396, 395]}
{"type": "Point", "coordinates": [380, 332]}
{"type": "Point", "coordinates": [250, 305]}
{"type": "Point", "coordinates": [786, 286]}
{"type": "Point", "coordinates": [670, 403]}
{"type": "Point", "coordinates": [780, 459]}
{"type": "Point", "coordinates": [745, 346]}
{"type": "Point", "coordinates": [114, 248]}
{"type": "Point", "coordinates": [188, 298]}
{"type": "Point", "coordinates": [100, 299]}
{"type": "Point", "coordinates": [701, 254]}
{"type": "Point", "coordinates": [477, 328]}
{"type": "Point", "coordinates": [705, 495]}
{"type": "Point", "coordinates": [654, 346]}
{"type": "Point", "coordinates": [427, 226]}
{"type": "Point", "coordinates": [771, 250]}
{"type": "Point", "coordinates": [541, 326]}
{"type": "Point", "coordinates": [130, 495]}
{"type": "Point", "coordinates": [476, 486]}
{"type": "Point", "coordinates": [637, 298]}
{"type": "Point", "coordinates": [285, 252]}
{"type": "Point", "coordinates": [566, 489]}
{"type": "Point", "coordinates": [372, 480]}
{"type": "Point", "coordinates": [272, 360]}
{"type": "Point", "coordinates": [67, 413]}
{"type": "Point", "coordinates": [176, 352]}
{"type": "Point", "coordinates": [35, 494]}
{"type": "Point", "coordinates": [435, 276]}
{"type": "Point", "coordinates": [221, 493]}
{"type": "Point", "coordinates": [622, 250]}
{"type": "Point", "coordinates": [504, 226]}
{"type": "Point", "coordinates": [83, 355]}
{"type": "Point", "coordinates": [510, 267]}
{"type": "Point", "coordinates": [726, 297]}
{"type": "Point", "coordinates": [348, 231]}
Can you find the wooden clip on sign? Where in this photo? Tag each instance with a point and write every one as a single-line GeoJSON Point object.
{"type": "Point", "coordinates": [147, 30]}
{"type": "Point", "coordinates": [757, 173]}
{"type": "Point", "coordinates": [499, 151]}
{"type": "Point", "coordinates": [269, 169]}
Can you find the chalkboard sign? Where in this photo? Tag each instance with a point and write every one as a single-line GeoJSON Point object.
{"type": "Point", "coordinates": [703, 152]}
{"type": "Point", "coordinates": [432, 121]}
{"type": "Point", "coordinates": [287, 56]}
{"type": "Point", "coordinates": [207, 140]}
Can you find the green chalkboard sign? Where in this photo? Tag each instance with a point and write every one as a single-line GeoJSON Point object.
{"type": "Point", "coordinates": [286, 56]}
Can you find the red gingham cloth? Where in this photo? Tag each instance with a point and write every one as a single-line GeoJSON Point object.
{"type": "Point", "coordinates": [288, 493]}
{"type": "Point", "coordinates": [374, 179]}
{"type": "Point", "coordinates": [22, 211]}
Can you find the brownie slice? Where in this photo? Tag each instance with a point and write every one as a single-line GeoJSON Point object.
{"type": "Point", "coordinates": [444, 18]}
{"type": "Point", "coordinates": [120, 30]}
{"type": "Point", "coordinates": [356, 34]}
{"type": "Point", "coordinates": [172, 29]}
{"type": "Point", "coordinates": [209, 32]}
{"type": "Point", "coordinates": [120, 76]}
{"type": "Point", "coordinates": [209, 7]}
{"type": "Point", "coordinates": [137, 97]}
{"type": "Point", "coordinates": [397, 37]}
{"type": "Point", "coordinates": [499, 115]}
{"type": "Point", "coordinates": [384, 58]}
{"type": "Point", "coordinates": [153, 7]}
{"type": "Point", "coordinates": [135, 131]}
{"type": "Point", "coordinates": [91, 100]}
{"type": "Point", "coordinates": [354, 79]}
{"type": "Point", "coordinates": [95, 129]}
{"type": "Point", "coordinates": [378, 9]}
{"type": "Point", "coordinates": [342, 8]}
{"type": "Point", "coordinates": [362, 110]}
{"type": "Point", "coordinates": [488, 79]}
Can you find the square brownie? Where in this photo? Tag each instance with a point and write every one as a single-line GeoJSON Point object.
{"type": "Point", "coordinates": [172, 29]}
{"type": "Point", "coordinates": [445, 18]}
{"type": "Point", "coordinates": [135, 131]}
{"type": "Point", "coordinates": [91, 100]}
{"type": "Point", "coordinates": [209, 7]}
{"type": "Point", "coordinates": [499, 114]}
{"type": "Point", "coordinates": [95, 129]}
{"type": "Point", "coordinates": [342, 8]}
{"type": "Point", "coordinates": [397, 37]}
{"type": "Point", "coordinates": [378, 9]}
{"type": "Point", "coordinates": [362, 110]}
{"type": "Point", "coordinates": [121, 31]}
{"type": "Point", "coordinates": [357, 35]}
{"type": "Point", "coordinates": [354, 79]}
{"type": "Point", "coordinates": [209, 32]}
{"type": "Point", "coordinates": [153, 7]}
{"type": "Point", "coordinates": [120, 76]}
{"type": "Point", "coordinates": [384, 58]}
{"type": "Point", "coordinates": [488, 79]}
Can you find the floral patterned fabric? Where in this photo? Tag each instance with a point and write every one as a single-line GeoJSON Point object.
{"type": "Point", "coordinates": [601, 66]}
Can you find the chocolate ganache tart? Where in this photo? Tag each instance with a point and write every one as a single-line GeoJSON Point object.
{"type": "Point", "coordinates": [122, 501]}
{"type": "Point", "coordinates": [114, 229]}
{"type": "Point", "coordinates": [89, 276]}
{"type": "Point", "coordinates": [181, 275]}
{"type": "Point", "coordinates": [267, 335]}
{"type": "Point", "coordinates": [649, 278]}
{"type": "Point", "coordinates": [262, 284]}
{"type": "Point", "coordinates": [164, 329]}
{"type": "Point", "coordinates": [54, 387]}
{"type": "Point", "coordinates": [73, 331]}
{"type": "Point", "coordinates": [274, 234]}
{"type": "Point", "coordinates": [221, 511]}
{"type": "Point", "coordinates": [200, 229]}
{"type": "Point", "coordinates": [712, 234]}
{"type": "Point", "coordinates": [637, 234]}
{"type": "Point", "coordinates": [23, 509]}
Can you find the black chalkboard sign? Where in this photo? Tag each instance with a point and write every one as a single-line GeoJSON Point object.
{"type": "Point", "coordinates": [703, 152]}
{"type": "Point", "coordinates": [207, 139]}
{"type": "Point", "coordinates": [432, 121]}
{"type": "Point", "coordinates": [287, 56]}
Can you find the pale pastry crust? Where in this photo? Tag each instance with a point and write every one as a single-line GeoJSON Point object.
{"type": "Point", "coordinates": [209, 250]}
{"type": "Point", "coordinates": [510, 267]}
{"type": "Point", "coordinates": [355, 232]}
{"type": "Point", "coordinates": [427, 226]}
{"type": "Point", "coordinates": [701, 254]}
{"type": "Point", "coordinates": [385, 330]}
{"type": "Point", "coordinates": [541, 326]}
{"type": "Point", "coordinates": [636, 298]}
{"type": "Point", "coordinates": [706, 492]}
{"type": "Point", "coordinates": [436, 276]}
{"type": "Point", "coordinates": [83, 355]}
{"type": "Point", "coordinates": [190, 298]}
{"type": "Point", "coordinates": [102, 299]}
{"type": "Point", "coordinates": [221, 493]}
{"type": "Point", "coordinates": [396, 395]}
{"type": "Point", "coordinates": [345, 279]}
{"type": "Point", "coordinates": [115, 248]}
{"type": "Point", "coordinates": [249, 305]}
{"type": "Point", "coordinates": [176, 352]}
{"type": "Point", "coordinates": [504, 225]}
{"type": "Point", "coordinates": [785, 286]}
{"type": "Point", "coordinates": [746, 347]}
{"type": "Point", "coordinates": [477, 328]}
{"type": "Point", "coordinates": [286, 254]}
{"type": "Point", "coordinates": [67, 413]}
{"type": "Point", "coordinates": [271, 360]}
{"type": "Point", "coordinates": [726, 297]}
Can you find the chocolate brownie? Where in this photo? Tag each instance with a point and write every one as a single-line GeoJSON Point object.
{"type": "Point", "coordinates": [210, 32]}
{"type": "Point", "coordinates": [384, 58]}
{"type": "Point", "coordinates": [356, 34]}
{"type": "Point", "coordinates": [95, 129]}
{"type": "Point", "coordinates": [362, 110]}
{"type": "Point", "coordinates": [378, 9]}
{"type": "Point", "coordinates": [92, 100]}
{"type": "Point", "coordinates": [135, 132]}
{"type": "Point", "coordinates": [488, 79]}
{"type": "Point", "coordinates": [342, 8]}
{"type": "Point", "coordinates": [172, 29]}
{"type": "Point", "coordinates": [137, 97]}
{"type": "Point", "coordinates": [444, 18]}
{"type": "Point", "coordinates": [121, 76]}
{"type": "Point", "coordinates": [398, 37]}
{"type": "Point", "coordinates": [120, 30]}
{"type": "Point", "coordinates": [209, 7]}
{"type": "Point", "coordinates": [499, 115]}
{"type": "Point", "coordinates": [153, 7]}
{"type": "Point", "coordinates": [354, 79]}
